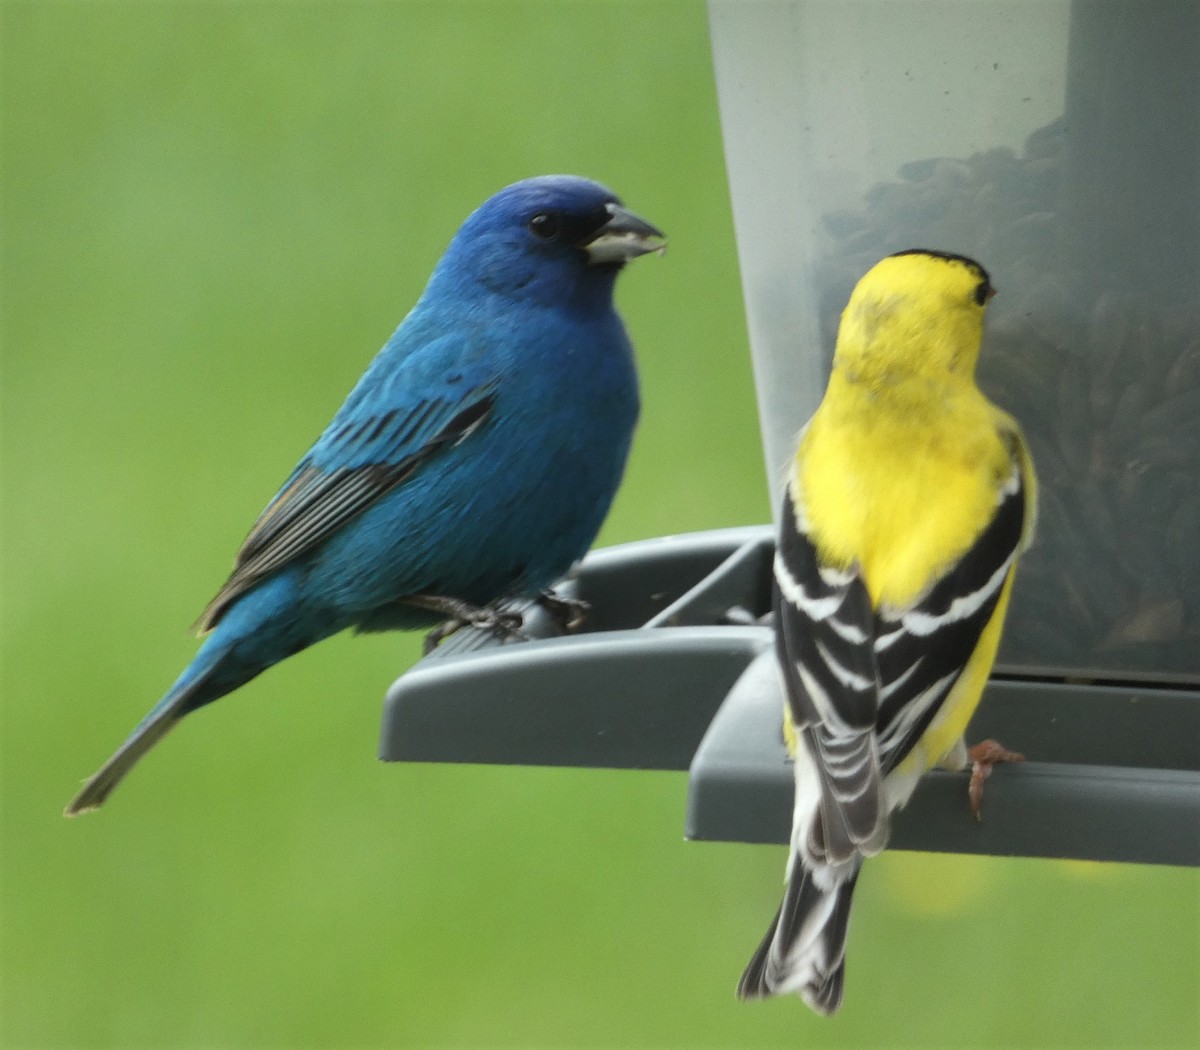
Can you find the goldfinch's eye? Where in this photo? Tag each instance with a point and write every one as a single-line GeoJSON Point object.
{"type": "Point", "coordinates": [983, 292]}
{"type": "Point", "coordinates": [544, 225]}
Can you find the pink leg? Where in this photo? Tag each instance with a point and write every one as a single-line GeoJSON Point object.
{"type": "Point", "coordinates": [983, 756]}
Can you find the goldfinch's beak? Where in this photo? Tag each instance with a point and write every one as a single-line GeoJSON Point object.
{"type": "Point", "coordinates": [623, 237]}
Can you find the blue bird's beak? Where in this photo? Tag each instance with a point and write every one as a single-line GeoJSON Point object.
{"type": "Point", "coordinates": [625, 236]}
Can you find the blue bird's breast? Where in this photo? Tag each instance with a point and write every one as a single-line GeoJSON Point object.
{"type": "Point", "coordinates": [513, 505]}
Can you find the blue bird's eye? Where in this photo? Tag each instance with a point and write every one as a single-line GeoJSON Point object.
{"type": "Point", "coordinates": [544, 225]}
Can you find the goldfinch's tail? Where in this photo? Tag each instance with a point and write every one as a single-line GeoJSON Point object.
{"type": "Point", "coordinates": [804, 950]}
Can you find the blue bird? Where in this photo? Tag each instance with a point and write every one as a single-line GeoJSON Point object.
{"type": "Point", "coordinates": [475, 459]}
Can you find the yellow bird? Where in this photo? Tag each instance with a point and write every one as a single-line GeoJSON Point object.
{"type": "Point", "coordinates": [908, 502]}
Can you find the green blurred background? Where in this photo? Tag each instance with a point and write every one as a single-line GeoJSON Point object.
{"type": "Point", "coordinates": [213, 214]}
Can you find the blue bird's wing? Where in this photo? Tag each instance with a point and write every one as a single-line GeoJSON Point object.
{"type": "Point", "coordinates": [375, 443]}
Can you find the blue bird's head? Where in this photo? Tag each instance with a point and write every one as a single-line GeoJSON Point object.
{"type": "Point", "coordinates": [553, 239]}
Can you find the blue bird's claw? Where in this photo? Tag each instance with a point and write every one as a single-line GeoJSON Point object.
{"type": "Point", "coordinates": [568, 613]}
{"type": "Point", "coordinates": [504, 624]}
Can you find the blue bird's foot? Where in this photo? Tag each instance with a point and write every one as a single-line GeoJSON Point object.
{"type": "Point", "coordinates": [507, 625]}
{"type": "Point", "coordinates": [568, 613]}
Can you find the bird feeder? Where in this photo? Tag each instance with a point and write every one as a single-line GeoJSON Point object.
{"type": "Point", "coordinates": [1055, 141]}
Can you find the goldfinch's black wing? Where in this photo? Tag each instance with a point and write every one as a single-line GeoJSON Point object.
{"type": "Point", "coordinates": [824, 641]}
{"type": "Point", "coordinates": [921, 650]}
{"type": "Point", "coordinates": [863, 685]}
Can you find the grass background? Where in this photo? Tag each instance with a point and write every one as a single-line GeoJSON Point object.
{"type": "Point", "coordinates": [213, 214]}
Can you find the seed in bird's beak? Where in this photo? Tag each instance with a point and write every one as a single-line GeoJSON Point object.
{"type": "Point", "coordinates": [625, 236]}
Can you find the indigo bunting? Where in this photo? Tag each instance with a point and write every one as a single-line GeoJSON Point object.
{"type": "Point", "coordinates": [475, 459]}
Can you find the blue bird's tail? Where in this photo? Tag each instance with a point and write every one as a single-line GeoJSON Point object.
{"type": "Point", "coordinates": [209, 676]}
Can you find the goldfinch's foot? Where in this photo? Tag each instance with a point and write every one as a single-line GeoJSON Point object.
{"type": "Point", "coordinates": [983, 756]}
{"type": "Point", "coordinates": [568, 613]}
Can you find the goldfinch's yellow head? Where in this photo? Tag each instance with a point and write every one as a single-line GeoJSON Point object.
{"type": "Point", "coordinates": [917, 312]}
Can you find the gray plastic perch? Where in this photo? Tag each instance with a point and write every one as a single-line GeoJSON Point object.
{"type": "Point", "coordinates": [673, 672]}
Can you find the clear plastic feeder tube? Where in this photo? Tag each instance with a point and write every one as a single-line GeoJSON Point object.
{"type": "Point", "coordinates": [1058, 143]}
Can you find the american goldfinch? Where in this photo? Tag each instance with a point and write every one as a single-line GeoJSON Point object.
{"type": "Point", "coordinates": [908, 502]}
